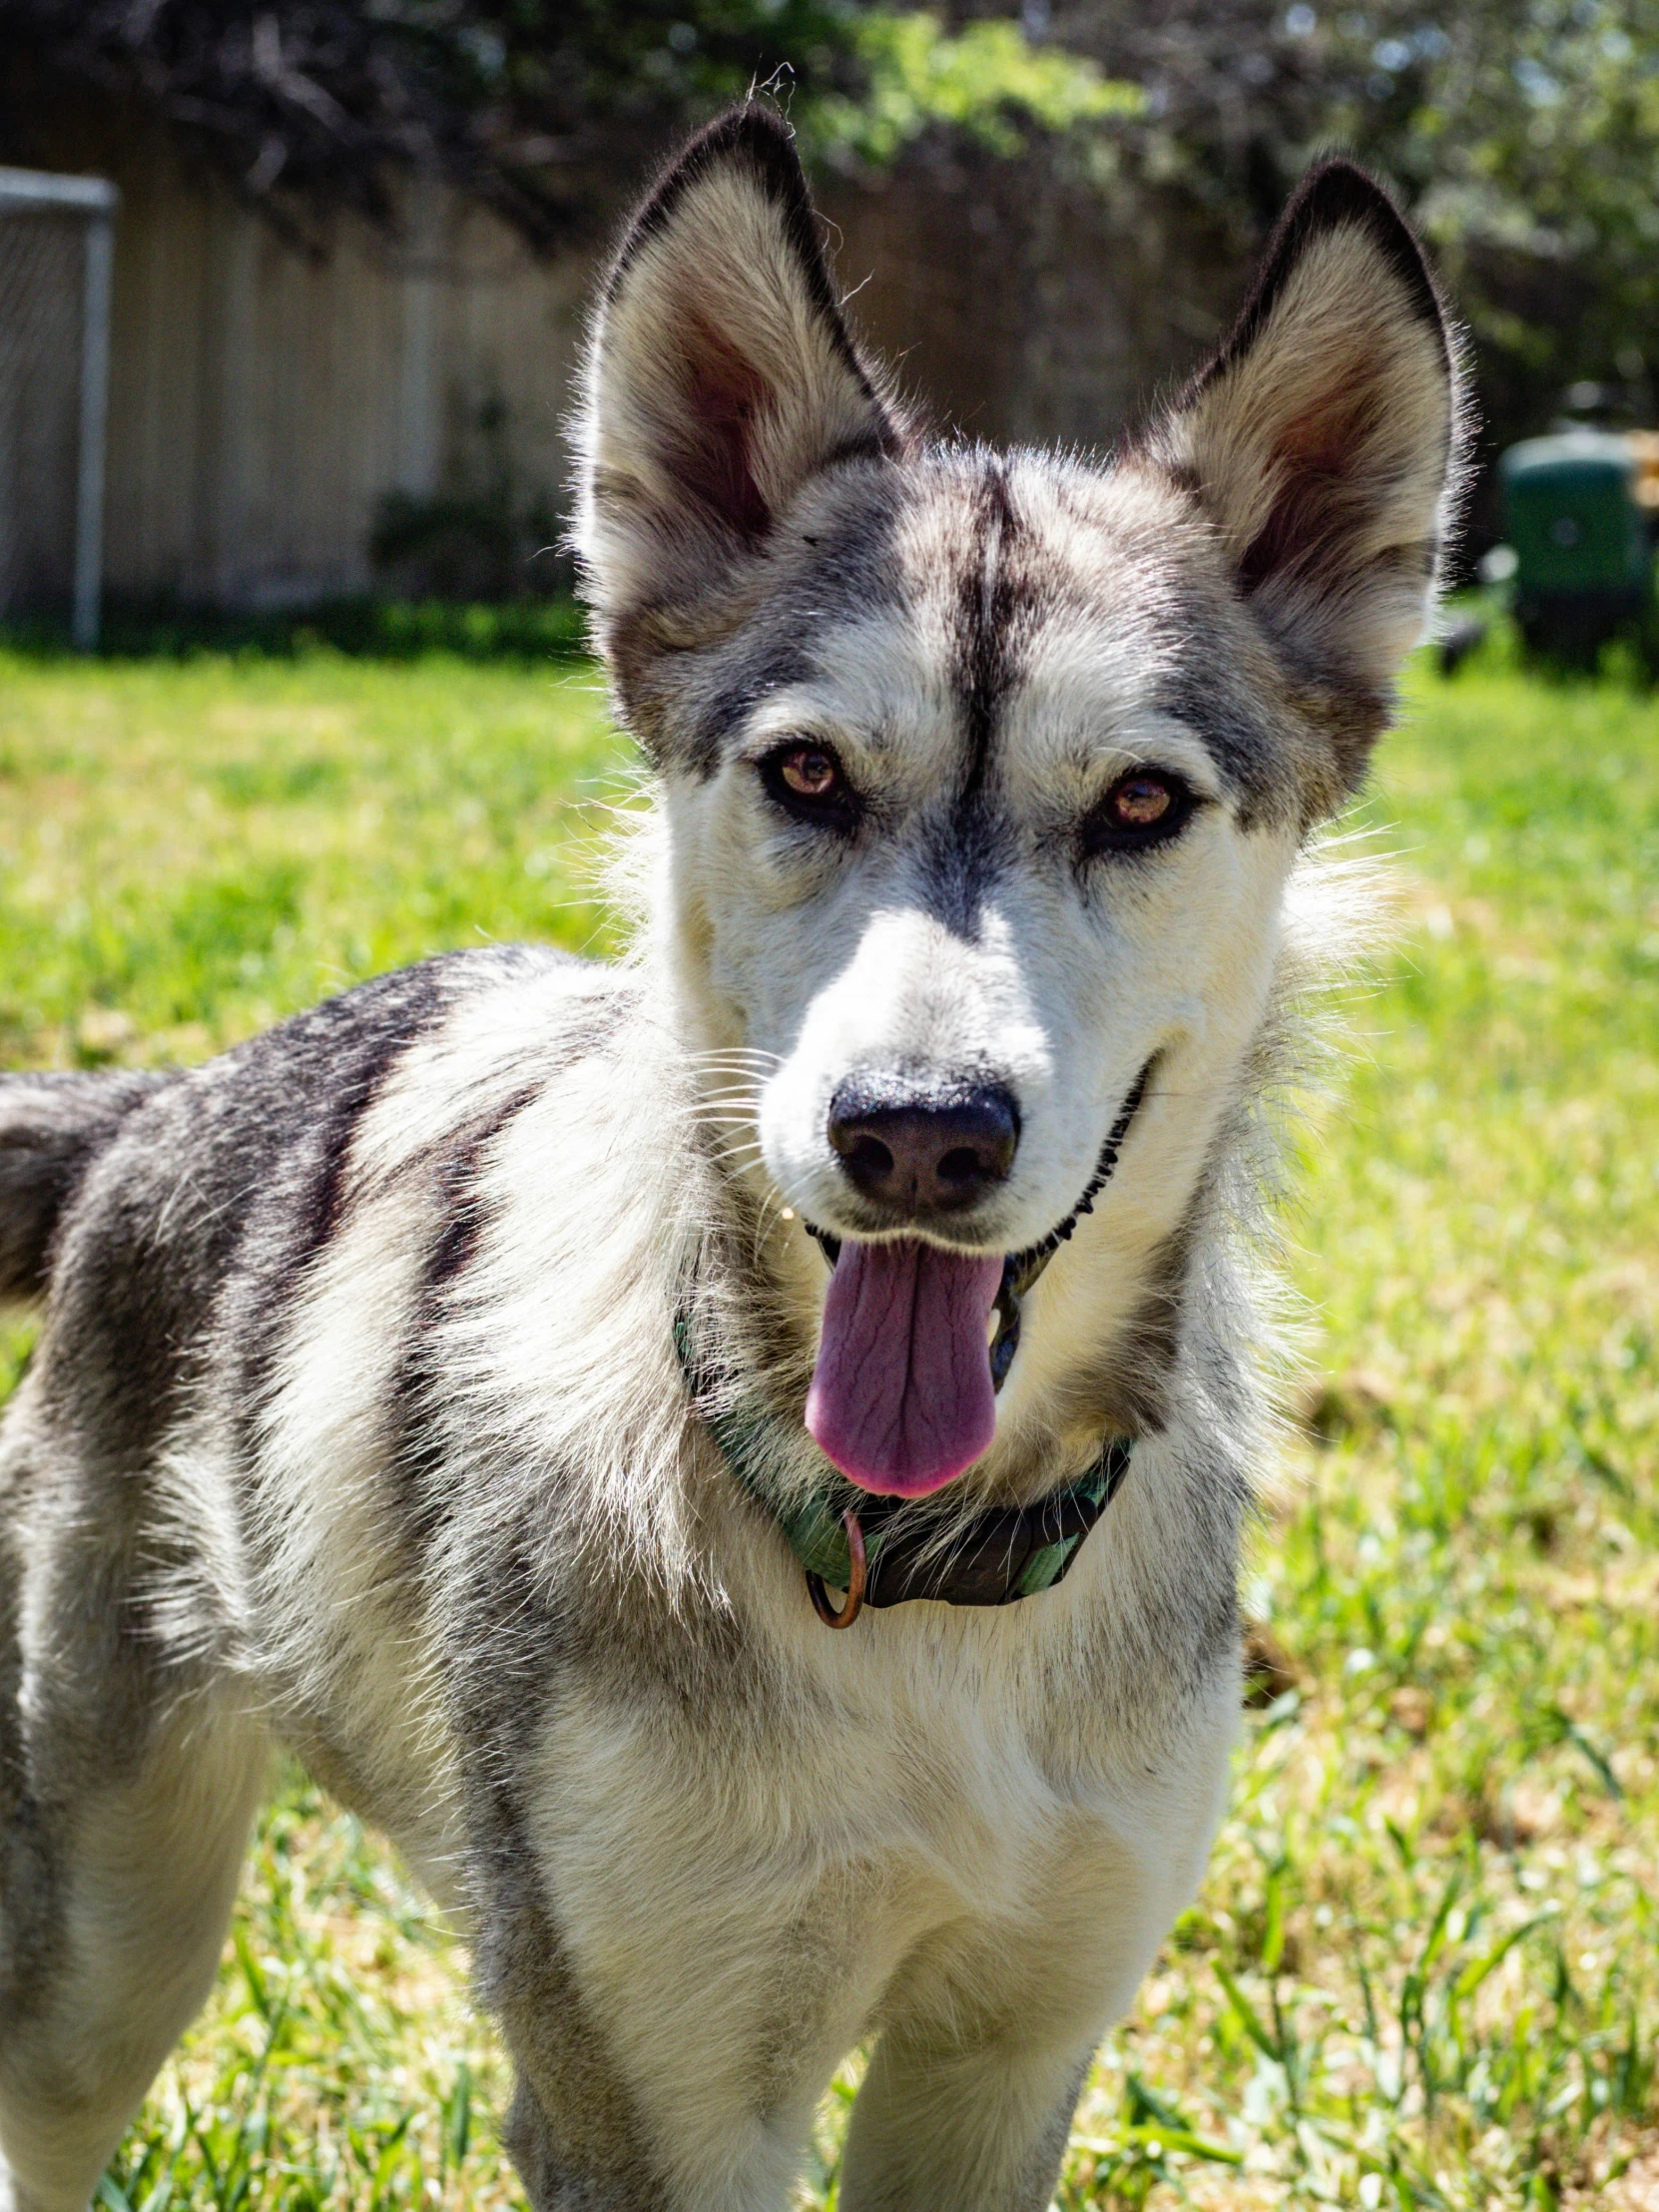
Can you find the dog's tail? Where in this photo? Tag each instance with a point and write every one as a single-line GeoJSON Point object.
{"type": "Point", "coordinates": [51, 1129]}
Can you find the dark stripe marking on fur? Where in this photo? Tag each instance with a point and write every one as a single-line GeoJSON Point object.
{"type": "Point", "coordinates": [357, 1040]}
{"type": "Point", "coordinates": [1205, 699]}
{"type": "Point", "coordinates": [985, 621]}
{"type": "Point", "coordinates": [52, 1128]}
{"type": "Point", "coordinates": [420, 1454]}
{"type": "Point", "coordinates": [422, 1458]}
{"type": "Point", "coordinates": [965, 852]}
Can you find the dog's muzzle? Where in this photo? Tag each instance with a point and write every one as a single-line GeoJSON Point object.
{"type": "Point", "coordinates": [1020, 1269]}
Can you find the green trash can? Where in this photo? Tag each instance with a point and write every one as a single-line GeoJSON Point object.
{"type": "Point", "coordinates": [1583, 560]}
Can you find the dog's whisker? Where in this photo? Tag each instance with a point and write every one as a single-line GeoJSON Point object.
{"type": "Point", "coordinates": [767, 1217]}
{"type": "Point", "coordinates": [734, 1155]}
{"type": "Point", "coordinates": [727, 1115]}
{"type": "Point", "coordinates": [762, 1062]}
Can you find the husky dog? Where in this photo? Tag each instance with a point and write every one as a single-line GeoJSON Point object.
{"type": "Point", "coordinates": [736, 1461]}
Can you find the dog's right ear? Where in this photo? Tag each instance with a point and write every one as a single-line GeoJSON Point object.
{"type": "Point", "coordinates": [722, 374]}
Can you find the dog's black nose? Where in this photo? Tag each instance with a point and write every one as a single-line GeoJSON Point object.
{"type": "Point", "coordinates": [919, 1152]}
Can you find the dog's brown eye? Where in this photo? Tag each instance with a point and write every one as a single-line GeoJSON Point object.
{"type": "Point", "coordinates": [810, 775]}
{"type": "Point", "coordinates": [1139, 800]}
{"type": "Point", "coordinates": [1140, 809]}
{"type": "Point", "coordinates": [808, 781]}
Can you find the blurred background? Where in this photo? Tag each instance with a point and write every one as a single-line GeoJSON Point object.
{"type": "Point", "coordinates": [354, 238]}
{"type": "Point", "coordinates": [291, 294]}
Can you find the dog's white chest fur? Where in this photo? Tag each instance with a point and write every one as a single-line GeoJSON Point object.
{"type": "Point", "coordinates": [922, 1841]}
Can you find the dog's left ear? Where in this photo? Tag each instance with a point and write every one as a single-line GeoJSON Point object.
{"type": "Point", "coordinates": [1324, 438]}
{"type": "Point", "coordinates": [721, 376]}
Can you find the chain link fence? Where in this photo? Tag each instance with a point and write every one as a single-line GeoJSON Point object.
{"type": "Point", "coordinates": [56, 248]}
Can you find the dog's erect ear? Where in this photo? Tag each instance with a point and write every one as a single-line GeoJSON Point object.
{"type": "Point", "coordinates": [722, 374]}
{"type": "Point", "coordinates": [1324, 438]}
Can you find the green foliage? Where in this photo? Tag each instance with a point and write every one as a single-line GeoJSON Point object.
{"type": "Point", "coordinates": [1529, 136]}
{"type": "Point", "coordinates": [536, 108]}
{"type": "Point", "coordinates": [984, 82]}
{"type": "Point", "coordinates": [1423, 1969]}
{"type": "Point", "coordinates": [1524, 134]}
{"type": "Point", "coordinates": [307, 105]}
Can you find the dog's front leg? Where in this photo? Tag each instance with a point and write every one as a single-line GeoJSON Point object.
{"type": "Point", "coordinates": [586, 2136]}
{"type": "Point", "coordinates": [971, 2089]}
{"type": "Point", "coordinates": [670, 1995]}
{"type": "Point", "coordinates": [938, 2130]}
{"type": "Point", "coordinates": [591, 2132]}
{"type": "Point", "coordinates": [989, 2027]}
{"type": "Point", "coordinates": [575, 2131]}
{"type": "Point", "coordinates": [591, 2129]}
{"type": "Point", "coordinates": [557, 2169]}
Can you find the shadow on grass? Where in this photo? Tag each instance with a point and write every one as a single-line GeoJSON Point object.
{"type": "Point", "coordinates": [528, 630]}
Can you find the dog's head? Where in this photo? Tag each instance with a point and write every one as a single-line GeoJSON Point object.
{"type": "Point", "coordinates": [984, 774]}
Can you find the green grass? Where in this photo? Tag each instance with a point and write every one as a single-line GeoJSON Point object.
{"type": "Point", "coordinates": [1425, 1970]}
{"type": "Point", "coordinates": [190, 851]}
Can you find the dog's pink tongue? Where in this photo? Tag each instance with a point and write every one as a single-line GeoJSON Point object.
{"type": "Point", "coordinates": [901, 1396]}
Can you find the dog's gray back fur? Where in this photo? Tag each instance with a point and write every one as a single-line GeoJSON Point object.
{"type": "Point", "coordinates": [51, 1128]}
{"type": "Point", "coordinates": [359, 1415]}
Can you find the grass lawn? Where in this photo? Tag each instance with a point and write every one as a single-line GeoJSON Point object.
{"type": "Point", "coordinates": [1425, 1970]}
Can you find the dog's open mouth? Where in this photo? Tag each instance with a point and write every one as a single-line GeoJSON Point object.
{"type": "Point", "coordinates": [903, 1394]}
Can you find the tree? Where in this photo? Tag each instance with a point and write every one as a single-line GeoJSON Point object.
{"type": "Point", "coordinates": [532, 106]}
{"type": "Point", "coordinates": [1523, 134]}
{"type": "Point", "coordinates": [540, 108]}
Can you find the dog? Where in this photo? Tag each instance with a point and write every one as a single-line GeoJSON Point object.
{"type": "Point", "coordinates": [735, 1461]}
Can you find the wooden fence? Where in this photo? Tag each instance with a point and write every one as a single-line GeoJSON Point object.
{"type": "Point", "coordinates": [266, 406]}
